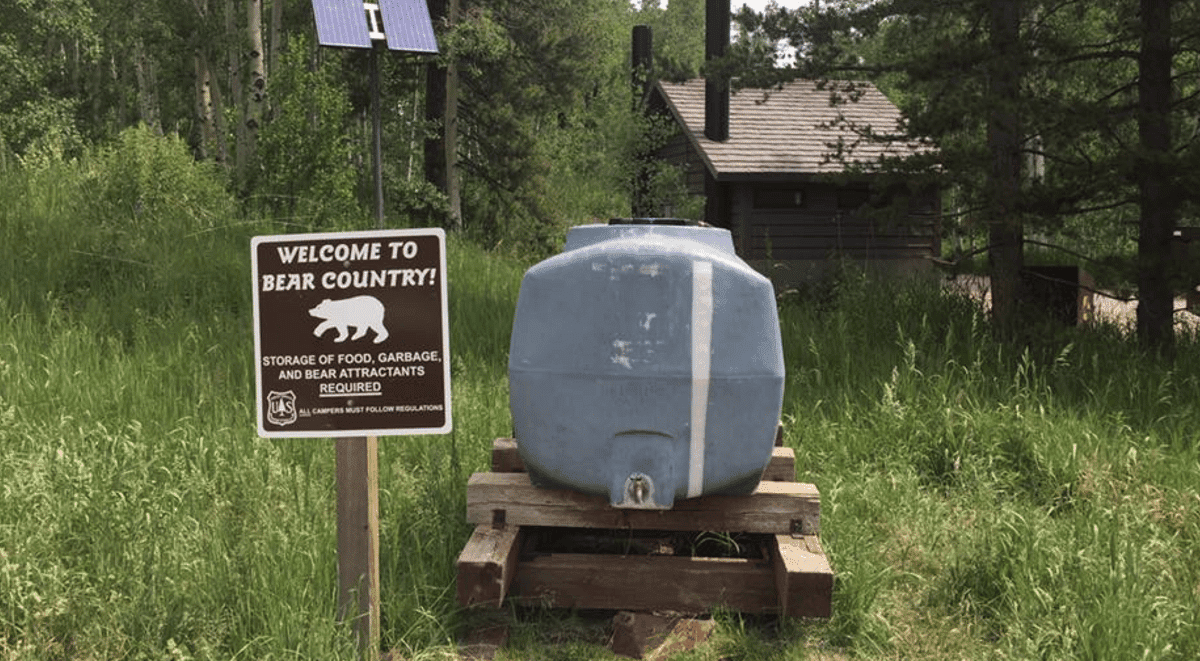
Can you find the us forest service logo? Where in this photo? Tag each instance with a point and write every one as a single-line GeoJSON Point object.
{"type": "Point", "coordinates": [281, 408]}
{"type": "Point", "coordinates": [351, 334]}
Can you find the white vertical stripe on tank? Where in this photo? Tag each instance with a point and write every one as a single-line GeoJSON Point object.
{"type": "Point", "coordinates": [702, 316]}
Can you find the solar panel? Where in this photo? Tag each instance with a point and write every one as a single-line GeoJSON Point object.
{"type": "Point", "coordinates": [407, 26]}
{"type": "Point", "coordinates": [341, 23]}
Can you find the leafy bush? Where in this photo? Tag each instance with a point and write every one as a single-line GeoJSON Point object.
{"type": "Point", "coordinates": [148, 188]}
{"type": "Point", "coordinates": [132, 229]}
{"type": "Point", "coordinates": [39, 131]}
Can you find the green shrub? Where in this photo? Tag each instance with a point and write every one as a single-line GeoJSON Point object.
{"type": "Point", "coordinates": [131, 230]}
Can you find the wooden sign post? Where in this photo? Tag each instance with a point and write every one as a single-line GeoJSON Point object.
{"type": "Point", "coordinates": [358, 539]}
{"type": "Point", "coordinates": [352, 341]}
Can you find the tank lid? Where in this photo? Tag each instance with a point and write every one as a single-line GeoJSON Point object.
{"type": "Point", "coordinates": [581, 236]}
{"type": "Point", "coordinates": [652, 221]}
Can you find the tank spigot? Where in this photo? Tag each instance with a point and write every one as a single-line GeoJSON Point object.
{"type": "Point", "coordinates": [639, 492]}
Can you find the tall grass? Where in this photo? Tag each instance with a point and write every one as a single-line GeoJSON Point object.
{"type": "Point", "coordinates": [140, 516]}
{"type": "Point", "coordinates": [990, 500]}
{"type": "Point", "coordinates": [980, 499]}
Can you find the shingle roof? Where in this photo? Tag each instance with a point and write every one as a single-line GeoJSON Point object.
{"type": "Point", "coordinates": [793, 130]}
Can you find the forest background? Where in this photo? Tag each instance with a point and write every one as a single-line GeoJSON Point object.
{"type": "Point", "coordinates": [1051, 117]}
{"type": "Point", "coordinates": [983, 496]}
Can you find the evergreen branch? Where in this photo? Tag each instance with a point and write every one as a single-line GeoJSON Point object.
{"type": "Point", "coordinates": [1068, 251]}
{"type": "Point", "coordinates": [1106, 55]}
{"type": "Point", "coordinates": [1100, 207]}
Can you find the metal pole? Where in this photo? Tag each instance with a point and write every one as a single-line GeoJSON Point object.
{"type": "Point", "coordinates": [377, 137]}
{"type": "Point", "coordinates": [357, 470]}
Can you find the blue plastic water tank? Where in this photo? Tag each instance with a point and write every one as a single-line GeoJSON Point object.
{"type": "Point", "coordinates": [646, 365]}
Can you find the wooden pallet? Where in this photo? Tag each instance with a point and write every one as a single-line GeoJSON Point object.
{"type": "Point", "coordinates": [782, 570]}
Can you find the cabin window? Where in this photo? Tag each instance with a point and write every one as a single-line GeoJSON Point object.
{"type": "Point", "coordinates": [779, 198]}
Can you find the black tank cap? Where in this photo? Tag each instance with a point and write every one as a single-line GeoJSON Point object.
{"type": "Point", "coordinates": [651, 221]}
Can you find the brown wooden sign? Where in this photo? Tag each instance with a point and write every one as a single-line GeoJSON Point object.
{"type": "Point", "coordinates": [351, 333]}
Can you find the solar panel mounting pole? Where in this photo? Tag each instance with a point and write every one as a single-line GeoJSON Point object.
{"type": "Point", "coordinates": [358, 471]}
{"type": "Point", "coordinates": [358, 456]}
{"type": "Point", "coordinates": [403, 25]}
{"type": "Point", "coordinates": [375, 32]}
{"type": "Point", "coordinates": [377, 136]}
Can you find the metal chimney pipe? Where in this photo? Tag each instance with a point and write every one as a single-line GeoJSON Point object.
{"type": "Point", "coordinates": [716, 90]}
{"type": "Point", "coordinates": [643, 57]}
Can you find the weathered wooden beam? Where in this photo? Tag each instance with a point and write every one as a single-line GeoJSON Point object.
{"type": "Point", "coordinates": [782, 467]}
{"type": "Point", "coordinates": [646, 583]}
{"type": "Point", "coordinates": [775, 507]}
{"type": "Point", "coordinates": [796, 580]}
{"type": "Point", "coordinates": [803, 577]}
{"type": "Point", "coordinates": [487, 564]}
{"type": "Point", "coordinates": [505, 458]}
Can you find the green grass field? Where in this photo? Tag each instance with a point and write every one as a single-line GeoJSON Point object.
{"type": "Point", "coordinates": [980, 500]}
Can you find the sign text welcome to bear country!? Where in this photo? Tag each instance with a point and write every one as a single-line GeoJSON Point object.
{"type": "Point", "coordinates": [351, 333]}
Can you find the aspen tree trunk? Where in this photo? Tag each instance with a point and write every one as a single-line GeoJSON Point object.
{"type": "Point", "coordinates": [212, 116]}
{"type": "Point", "coordinates": [274, 44]}
{"type": "Point", "coordinates": [119, 119]}
{"type": "Point", "coordinates": [203, 106]}
{"type": "Point", "coordinates": [235, 87]}
{"type": "Point", "coordinates": [316, 57]}
{"type": "Point", "coordinates": [217, 110]}
{"type": "Point", "coordinates": [95, 83]}
{"type": "Point", "coordinates": [143, 70]}
{"type": "Point", "coordinates": [413, 137]}
{"type": "Point", "coordinates": [209, 111]}
{"type": "Point", "coordinates": [76, 85]}
{"type": "Point", "coordinates": [257, 91]}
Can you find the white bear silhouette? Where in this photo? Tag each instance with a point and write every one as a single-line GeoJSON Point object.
{"type": "Point", "coordinates": [361, 312]}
